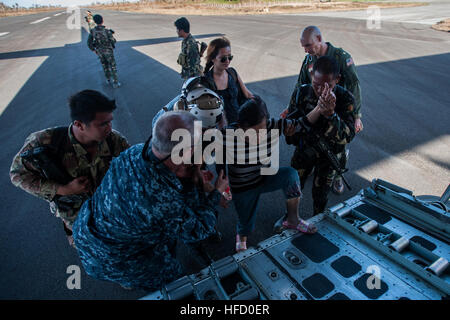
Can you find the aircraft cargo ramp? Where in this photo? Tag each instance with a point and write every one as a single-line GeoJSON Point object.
{"type": "Point", "coordinates": [383, 243]}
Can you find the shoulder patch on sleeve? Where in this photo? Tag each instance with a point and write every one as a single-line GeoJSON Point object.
{"type": "Point", "coordinates": [350, 108]}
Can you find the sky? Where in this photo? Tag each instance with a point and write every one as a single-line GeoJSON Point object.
{"type": "Point", "coordinates": [64, 3]}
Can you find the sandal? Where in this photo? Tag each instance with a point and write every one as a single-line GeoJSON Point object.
{"type": "Point", "coordinates": [240, 245]}
{"type": "Point", "coordinates": [302, 226]}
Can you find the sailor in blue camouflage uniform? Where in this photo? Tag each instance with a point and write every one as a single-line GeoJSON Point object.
{"type": "Point", "coordinates": [128, 231]}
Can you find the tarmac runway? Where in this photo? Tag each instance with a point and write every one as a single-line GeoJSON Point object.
{"type": "Point", "coordinates": [403, 67]}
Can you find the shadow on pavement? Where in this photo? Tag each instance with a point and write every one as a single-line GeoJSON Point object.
{"type": "Point", "coordinates": [32, 242]}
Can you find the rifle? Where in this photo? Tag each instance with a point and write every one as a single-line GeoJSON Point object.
{"type": "Point", "coordinates": [203, 47]}
{"type": "Point", "coordinates": [321, 146]}
{"type": "Point", "coordinates": [42, 159]}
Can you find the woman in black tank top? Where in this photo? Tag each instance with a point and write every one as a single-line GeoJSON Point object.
{"type": "Point", "coordinates": [228, 83]}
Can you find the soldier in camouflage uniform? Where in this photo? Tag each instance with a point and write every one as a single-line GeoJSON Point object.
{"type": "Point", "coordinates": [328, 109]}
{"type": "Point", "coordinates": [315, 47]}
{"type": "Point", "coordinates": [189, 57]}
{"type": "Point", "coordinates": [102, 42]}
{"type": "Point", "coordinates": [88, 145]}
{"type": "Point", "coordinates": [90, 20]}
{"type": "Point", "coordinates": [128, 231]}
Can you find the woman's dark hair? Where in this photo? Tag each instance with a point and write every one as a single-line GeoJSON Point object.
{"type": "Point", "coordinates": [252, 112]}
{"type": "Point", "coordinates": [183, 24]}
{"type": "Point", "coordinates": [85, 104]}
{"type": "Point", "coordinates": [213, 50]}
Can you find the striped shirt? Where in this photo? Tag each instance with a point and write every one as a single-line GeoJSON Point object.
{"type": "Point", "coordinates": [248, 160]}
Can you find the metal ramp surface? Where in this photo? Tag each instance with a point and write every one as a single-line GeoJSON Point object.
{"type": "Point", "coordinates": [382, 244]}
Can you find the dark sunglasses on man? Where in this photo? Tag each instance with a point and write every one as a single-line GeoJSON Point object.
{"type": "Point", "coordinates": [224, 58]}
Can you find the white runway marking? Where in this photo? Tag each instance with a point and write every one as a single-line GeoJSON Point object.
{"type": "Point", "coordinates": [58, 14]}
{"type": "Point", "coordinates": [3, 33]}
{"type": "Point", "coordinates": [40, 20]}
{"type": "Point", "coordinates": [427, 21]}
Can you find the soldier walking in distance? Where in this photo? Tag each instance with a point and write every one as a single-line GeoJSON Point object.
{"type": "Point", "coordinates": [189, 57]}
{"type": "Point", "coordinates": [102, 42]}
{"type": "Point", "coordinates": [90, 20]}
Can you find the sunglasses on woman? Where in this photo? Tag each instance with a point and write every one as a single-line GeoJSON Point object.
{"type": "Point", "coordinates": [224, 58]}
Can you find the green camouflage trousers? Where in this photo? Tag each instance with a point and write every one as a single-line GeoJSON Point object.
{"type": "Point", "coordinates": [304, 161]}
{"type": "Point", "coordinates": [109, 65]}
{"type": "Point", "coordinates": [191, 72]}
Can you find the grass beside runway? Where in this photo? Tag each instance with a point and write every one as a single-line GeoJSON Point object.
{"type": "Point", "coordinates": [237, 7]}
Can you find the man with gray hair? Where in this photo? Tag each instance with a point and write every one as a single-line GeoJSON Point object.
{"type": "Point", "coordinates": [128, 231]}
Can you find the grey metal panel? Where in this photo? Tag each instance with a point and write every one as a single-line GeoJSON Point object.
{"type": "Point", "coordinates": [403, 282]}
{"type": "Point", "coordinates": [356, 255]}
{"type": "Point", "coordinates": [390, 259]}
{"type": "Point", "coordinates": [157, 295]}
{"type": "Point", "coordinates": [209, 290]}
{"type": "Point", "coordinates": [273, 283]}
{"type": "Point", "coordinates": [398, 286]}
{"type": "Point", "coordinates": [407, 207]}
